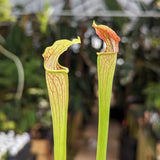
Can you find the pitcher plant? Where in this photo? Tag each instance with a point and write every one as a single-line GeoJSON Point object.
{"type": "Point", "coordinates": [58, 90]}
{"type": "Point", "coordinates": [106, 62]}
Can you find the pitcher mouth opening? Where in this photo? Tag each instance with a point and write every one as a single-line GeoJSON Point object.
{"type": "Point", "coordinates": [61, 69]}
{"type": "Point", "coordinates": [52, 54]}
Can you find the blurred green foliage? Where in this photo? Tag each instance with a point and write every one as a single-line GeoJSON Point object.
{"type": "Point", "coordinates": [43, 18]}
{"type": "Point", "coordinates": [152, 92]}
{"type": "Point", "coordinates": [5, 11]}
{"type": "Point", "coordinates": [5, 77]}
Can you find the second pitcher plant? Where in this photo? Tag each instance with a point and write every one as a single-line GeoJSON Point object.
{"type": "Point", "coordinates": [106, 62]}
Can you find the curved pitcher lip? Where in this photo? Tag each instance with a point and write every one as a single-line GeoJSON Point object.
{"type": "Point", "coordinates": [63, 70]}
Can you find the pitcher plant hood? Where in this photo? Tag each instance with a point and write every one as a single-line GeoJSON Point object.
{"type": "Point", "coordinates": [108, 36]}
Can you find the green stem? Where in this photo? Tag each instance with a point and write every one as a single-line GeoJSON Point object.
{"type": "Point", "coordinates": [106, 66]}
{"type": "Point", "coordinates": [19, 69]}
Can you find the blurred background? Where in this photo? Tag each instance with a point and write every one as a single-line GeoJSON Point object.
{"type": "Point", "coordinates": [28, 27]}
